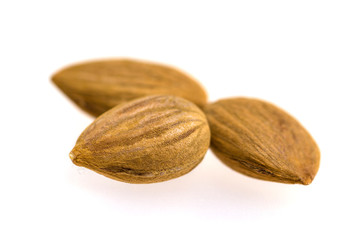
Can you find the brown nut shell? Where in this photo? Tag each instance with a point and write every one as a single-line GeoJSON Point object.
{"type": "Point", "coordinates": [98, 86]}
{"type": "Point", "coordinates": [148, 140]}
{"type": "Point", "coordinates": [260, 140]}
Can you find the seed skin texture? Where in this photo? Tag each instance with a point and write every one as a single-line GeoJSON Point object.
{"type": "Point", "coordinates": [260, 140]}
{"type": "Point", "coordinates": [98, 86]}
{"type": "Point", "coordinates": [151, 139]}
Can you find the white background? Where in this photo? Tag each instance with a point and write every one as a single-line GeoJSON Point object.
{"type": "Point", "coordinates": [304, 56]}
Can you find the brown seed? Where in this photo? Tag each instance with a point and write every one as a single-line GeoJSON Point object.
{"type": "Point", "coordinates": [262, 141]}
{"type": "Point", "coordinates": [100, 85]}
{"type": "Point", "coordinates": [148, 140]}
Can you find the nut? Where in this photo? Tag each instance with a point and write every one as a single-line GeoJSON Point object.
{"type": "Point", "coordinates": [260, 140]}
{"type": "Point", "coordinates": [100, 85]}
{"type": "Point", "coordinates": [148, 140]}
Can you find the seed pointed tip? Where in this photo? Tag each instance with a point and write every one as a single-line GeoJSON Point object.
{"type": "Point", "coordinates": [74, 157]}
{"type": "Point", "coordinates": [54, 78]}
{"type": "Point", "coordinates": [306, 180]}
